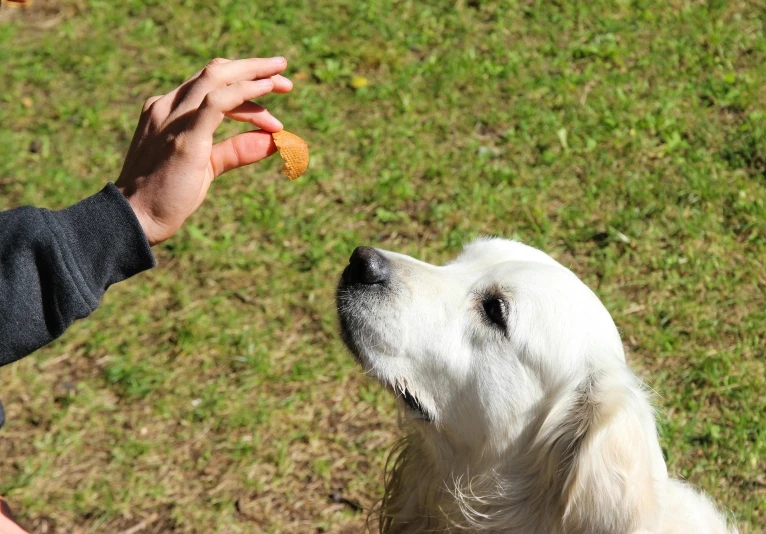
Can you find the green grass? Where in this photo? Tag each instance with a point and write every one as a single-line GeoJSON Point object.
{"type": "Point", "coordinates": [212, 394]}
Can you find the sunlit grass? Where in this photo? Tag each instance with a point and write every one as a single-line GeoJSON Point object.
{"type": "Point", "coordinates": [212, 394]}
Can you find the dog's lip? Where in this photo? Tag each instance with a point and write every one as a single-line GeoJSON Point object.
{"type": "Point", "coordinates": [414, 404]}
{"type": "Point", "coordinates": [347, 290]}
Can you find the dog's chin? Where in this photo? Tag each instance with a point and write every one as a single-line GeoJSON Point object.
{"type": "Point", "coordinates": [371, 364]}
{"type": "Point", "coordinates": [358, 334]}
{"type": "Point", "coordinates": [355, 328]}
{"type": "Point", "coordinates": [413, 406]}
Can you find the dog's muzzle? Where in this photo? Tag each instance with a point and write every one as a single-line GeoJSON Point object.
{"type": "Point", "coordinates": [364, 286]}
{"type": "Point", "coordinates": [362, 283]}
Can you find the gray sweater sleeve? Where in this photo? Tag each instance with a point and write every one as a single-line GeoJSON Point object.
{"type": "Point", "coordinates": [56, 265]}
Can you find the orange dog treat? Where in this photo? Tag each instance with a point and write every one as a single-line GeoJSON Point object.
{"type": "Point", "coordinates": [294, 151]}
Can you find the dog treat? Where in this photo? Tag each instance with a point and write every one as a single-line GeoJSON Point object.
{"type": "Point", "coordinates": [294, 151]}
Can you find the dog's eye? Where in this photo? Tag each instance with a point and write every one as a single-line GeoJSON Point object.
{"type": "Point", "coordinates": [496, 310]}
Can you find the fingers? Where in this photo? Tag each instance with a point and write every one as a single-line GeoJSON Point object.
{"type": "Point", "coordinates": [241, 150]}
{"type": "Point", "coordinates": [229, 72]}
{"type": "Point", "coordinates": [281, 84]}
{"type": "Point", "coordinates": [256, 115]}
{"type": "Point", "coordinates": [220, 74]}
{"type": "Point", "coordinates": [221, 101]}
{"type": "Point", "coordinates": [188, 96]}
{"type": "Point", "coordinates": [171, 100]}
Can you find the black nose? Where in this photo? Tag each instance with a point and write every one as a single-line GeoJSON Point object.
{"type": "Point", "coordinates": [367, 266]}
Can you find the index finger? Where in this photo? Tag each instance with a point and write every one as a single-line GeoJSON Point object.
{"type": "Point", "coordinates": [220, 74]}
{"type": "Point", "coordinates": [244, 69]}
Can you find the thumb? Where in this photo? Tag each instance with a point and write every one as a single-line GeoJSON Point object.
{"type": "Point", "coordinates": [241, 150]}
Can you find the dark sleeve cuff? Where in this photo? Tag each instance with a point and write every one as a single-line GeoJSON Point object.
{"type": "Point", "coordinates": [106, 242]}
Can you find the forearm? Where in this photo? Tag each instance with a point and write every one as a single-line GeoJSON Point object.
{"type": "Point", "coordinates": [56, 265]}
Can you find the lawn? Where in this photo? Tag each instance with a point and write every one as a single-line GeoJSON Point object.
{"type": "Point", "coordinates": [212, 394]}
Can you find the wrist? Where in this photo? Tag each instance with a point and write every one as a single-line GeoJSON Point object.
{"type": "Point", "coordinates": [147, 223]}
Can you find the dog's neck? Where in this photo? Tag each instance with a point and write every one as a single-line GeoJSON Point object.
{"type": "Point", "coordinates": [433, 487]}
{"type": "Point", "coordinates": [540, 483]}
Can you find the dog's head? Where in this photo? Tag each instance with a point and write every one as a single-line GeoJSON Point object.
{"type": "Point", "coordinates": [513, 375]}
{"type": "Point", "coordinates": [472, 348]}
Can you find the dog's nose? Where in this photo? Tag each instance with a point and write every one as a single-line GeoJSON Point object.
{"type": "Point", "coordinates": [367, 266]}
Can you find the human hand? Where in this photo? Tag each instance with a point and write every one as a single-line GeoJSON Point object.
{"type": "Point", "coordinates": [172, 159]}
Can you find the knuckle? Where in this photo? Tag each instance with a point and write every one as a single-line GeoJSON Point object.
{"type": "Point", "coordinates": [211, 101]}
{"type": "Point", "coordinates": [212, 69]}
{"type": "Point", "coordinates": [154, 113]}
{"type": "Point", "coordinates": [150, 102]}
{"type": "Point", "coordinates": [210, 72]}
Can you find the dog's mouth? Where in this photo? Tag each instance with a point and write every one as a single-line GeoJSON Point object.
{"type": "Point", "coordinates": [413, 404]}
{"type": "Point", "coordinates": [362, 291]}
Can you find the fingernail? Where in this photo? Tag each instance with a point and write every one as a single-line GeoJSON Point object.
{"type": "Point", "coordinates": [282, 79]}
{"type": "Point", "coordinates": [263, 84]}
{"type": "Point", "coordinates": [279, 60]}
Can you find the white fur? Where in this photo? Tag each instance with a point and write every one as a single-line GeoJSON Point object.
{"type": "Point", "coordinates": [540, 427]}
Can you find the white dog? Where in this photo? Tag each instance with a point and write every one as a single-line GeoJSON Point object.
{"type": "Point", "coordinates": [523, 415]}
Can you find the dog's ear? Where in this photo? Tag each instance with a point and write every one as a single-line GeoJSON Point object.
{"type": "Point", "coordinates": [613, 466]}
